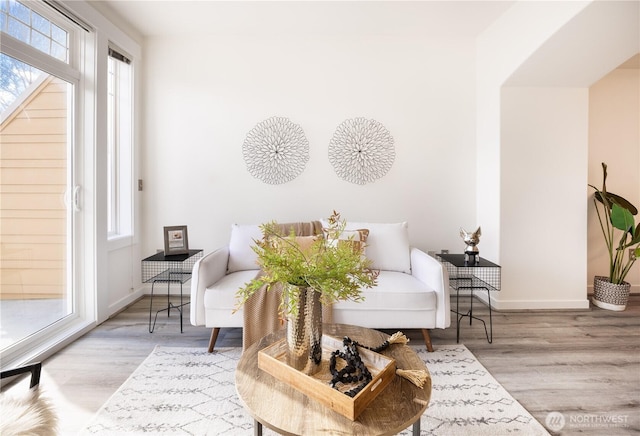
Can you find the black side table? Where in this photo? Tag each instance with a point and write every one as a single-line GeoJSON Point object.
{"type": "Point", "coordinates": [471, 276]}
{"type": "Point", "coordinates": [168, 269]}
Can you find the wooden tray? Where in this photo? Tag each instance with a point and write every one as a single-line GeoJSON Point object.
{"type": "Point", "coordinates": [273, 360]}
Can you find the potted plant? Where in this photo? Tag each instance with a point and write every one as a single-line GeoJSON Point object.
{"type": "Point", "coordinates": [621, 235]}
{"type": "Point", "coordinates": [311, 272]}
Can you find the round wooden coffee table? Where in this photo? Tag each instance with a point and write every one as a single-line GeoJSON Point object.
{"type": "Point", "coordinates": [280, 407]}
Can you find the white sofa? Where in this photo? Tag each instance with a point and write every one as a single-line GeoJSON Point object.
{"type": "Point", "coordinates": [412, 289]}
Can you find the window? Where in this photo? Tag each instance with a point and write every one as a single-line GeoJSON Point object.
{"type": "Point", "coordinates": [120, 146]}
{"type": "Point", "coordinates": [28, 26]}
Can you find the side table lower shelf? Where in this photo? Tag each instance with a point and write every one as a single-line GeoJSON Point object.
{"type": "Point", "coordinates": [168, 277]}
{"type": "Point", "coordinates": [460, 315]}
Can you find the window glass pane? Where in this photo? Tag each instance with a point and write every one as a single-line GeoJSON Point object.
{"type": "Point", "coordinates": [18, 30]}
{"type": "Point", "coordinates": [35, 291]}
{"type": "Point", "coordinates": [15, 79]}
{"type": "Point", "coordinates": [119, 149]}
{"type": "Point", "coordinates": [41, 24]}
{"type": "Point", "coordinates": [41, 42]}
{"type": "Point", "coordinates": [18, 10]}
{"type": "Point", "coordinates": [3, 22]}
{"type": "Point", "coordinates": [112, 207]}
{"type": "Point", "coordinates": [58, 35]}
{"type": "Point", "coordinates": [58, 51]}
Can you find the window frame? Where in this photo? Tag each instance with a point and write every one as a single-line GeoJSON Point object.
{"type": "Point", "coordinates": [79, 302]}
{"type": "Point", "coordinates": [120, 146]}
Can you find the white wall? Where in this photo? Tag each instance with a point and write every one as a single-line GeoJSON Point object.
{"type": "Point", "coordinates": [509, 182]}
{"type": "Point", "coordinates": [441, 97]}
{"type": "Point", "coordinates": [614, 138]}
{"type": "Point", "coordinates": [544, 166]}
{"type": "Point", "coordinates": [501, 49]}
{"type": "Point", "coordinates": [204, 93]}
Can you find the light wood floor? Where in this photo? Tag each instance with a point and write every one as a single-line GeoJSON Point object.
{"type": "Point", "coordinates": [584, 364]}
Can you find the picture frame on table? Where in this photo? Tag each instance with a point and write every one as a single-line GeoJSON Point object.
{"type": "Point", "coordinates": [176, 240]}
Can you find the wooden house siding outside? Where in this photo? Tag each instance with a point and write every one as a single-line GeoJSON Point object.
{"type": "Point", "coordinates": [33, 181]}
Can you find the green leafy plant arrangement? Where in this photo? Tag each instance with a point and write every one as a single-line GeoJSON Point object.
{"type": "Point", "coordinates": [335, 269]}
{"type": "Point", "coordinates": [616, 213]}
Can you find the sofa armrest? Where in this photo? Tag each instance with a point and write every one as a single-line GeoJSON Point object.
{"type": "Point", "coordinates": [428, 270]}
{"type": "Point", "coordinates": [206, 272]}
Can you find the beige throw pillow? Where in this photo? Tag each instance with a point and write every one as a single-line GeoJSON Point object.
{"type": "Point", "coordinates": [305, 242]}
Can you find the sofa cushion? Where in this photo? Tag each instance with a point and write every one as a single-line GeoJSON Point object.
{"type": "Point", "coordinates": [387, 245]}
{"type": "Point", "coordinates": [222, 294]}
{"type": "Point", "coordinates": [355, 238]}
{"type": "Point", "coordinates": [304, 243]}
{"type": "Point", "coordinates": [241, 255]}
{"type": "Point", "coordinates": [395, 291]}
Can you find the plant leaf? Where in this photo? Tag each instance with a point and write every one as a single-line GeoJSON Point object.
{"type": "Point", "coordinates": [636, 236]}
{"type": "Point", "coordinates": [622, 219]}
{"type": "Point", "coordinates": [616, 199]}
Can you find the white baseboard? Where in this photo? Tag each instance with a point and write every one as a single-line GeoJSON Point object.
{"type": "Point", "coordinates": [501, 304]}
{"type": "Point", "coordinates": [498, 303]}
{"type": "Point", "coordinates": [124, 302]}
{"type": "Point", "coordinates": [541, 304]}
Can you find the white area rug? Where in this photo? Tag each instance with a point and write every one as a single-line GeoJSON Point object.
{"type": "Point", "coordinates": [186, 391]}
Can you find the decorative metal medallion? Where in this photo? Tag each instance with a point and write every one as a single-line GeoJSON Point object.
{"type": "Point", "coordinates": [276, 150]}
{"type": "Point", "coordinates": [361, 150]}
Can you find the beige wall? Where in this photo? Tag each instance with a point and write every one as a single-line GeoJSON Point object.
{"type": "Point", "coordinates": [614, 138]}
{"type": "Point", "coordinates": [33, 181]}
